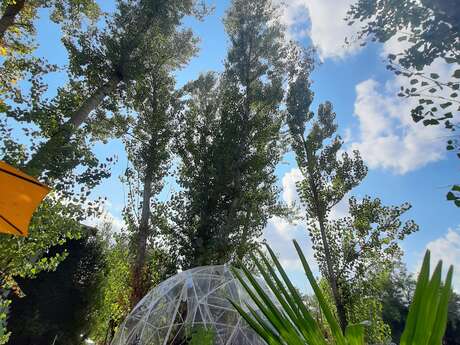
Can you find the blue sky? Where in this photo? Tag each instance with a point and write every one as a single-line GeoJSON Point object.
{"type": "Point", "coordinates": [407, 162]}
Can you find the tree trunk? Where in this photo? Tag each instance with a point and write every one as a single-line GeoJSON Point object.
{"type": "Point", "coordinates": [331, 276]}
{"type": "Point", "coordinates": [50, 149]}
{"type": "Point", "coordinates": [9, 16]}
{"type": "Point", "coordinates": [332, 279]}
{"type": "Point", "coordinates": [141, 247]}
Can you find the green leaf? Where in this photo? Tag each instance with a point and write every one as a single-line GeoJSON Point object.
{"type": "Point", "coordinates": [391, 56]}
{"type": "Point", "coordinates": [450, 60]}
{"type": "Point", "coordinates": [355, 334]}
{"type": "Point", "coordinates": [332, 321]}
{"type": "Point", "coordinates": [434, 75]}
{"type": "Point", "coordinates": [439, 327]}
{"type": "Point", "coordinates": [445, 105]}
{"type": "Point", "coordinates": [451, 196]}
{"type": "Point", "coordinates": [415, 307]}
{"type": "Point", "coordinates": [430, 122]}
{"type": "Point", "coordinates": [456, 74]}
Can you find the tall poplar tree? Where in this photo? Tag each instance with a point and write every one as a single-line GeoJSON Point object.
{"type": "Point", "coordinates": [148, 145]}
{"type": "Point", "coordinates": [358, 249]}
{"type": "Point", "coordinates": [230, 142]}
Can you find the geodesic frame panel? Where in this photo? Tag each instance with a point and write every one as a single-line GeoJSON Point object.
{"type": "Point", "coordinates": [196, 298]}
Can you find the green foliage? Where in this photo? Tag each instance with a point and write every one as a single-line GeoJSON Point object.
{"type": "Point", "coordinates": [17, 39]}
{"type": "Point", "coordinates": [285, 319]}
{"type": "Point", "coordinates": [452, 335]}
{"type": "Point", "coordinates": [427, 318]}
{"type": "Point", "coordinates": [53, 224]}
{"type": "Point", "coordinates": [114, 295]}
{"type": "Point", "coordinates": [435, 27]}
{"type": "Point", "coordinates": [396, 295]}
{"type": "Point", "coordinates": [149, 148]}
{"type": "Point", "coordinates": [354, 252]}
{"type": "Point", "coordinates": [229, 143]}
{"type": "Point", "coordinates": [4, 308]}
{"type": "Point", "coordinates": [115, 291]}
{"type": "Point", "coordinates": [201, 336]}
{"type": "Point", "coordinates": [368, 311]}
{"type": "Point", "coordinates": [106, 62]}
{"type": "Point", "coordinates": [431, 27]}
{"type": "Point", "coordinates": [73, 287]}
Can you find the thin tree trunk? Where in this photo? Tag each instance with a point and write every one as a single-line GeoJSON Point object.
{"type": "Point", "coordinates": [341, 313]}
{"type": "Point", "coordinates": [9, 16]}
{"type": "Point", "coordinates": [141, 248]}
{"type": "Point", "coordinates": [331, 276]}
{"type": "Point", "coordinates": [50, 149]}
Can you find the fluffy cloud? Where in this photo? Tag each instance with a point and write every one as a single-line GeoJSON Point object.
{"type": "Point", "coordinates": [280, 233]}
{"type": "Point", "coordinates": [291, 197]}
{"type": "Point", "coordinates": [388, 138]}
{"type": "Point", "coordinates": [447, 249]}
{"type": "Point", "coordinates": [289, 186]}
{"type": "Point", "coordinates": [323, 21]}
{"type": "Point", "coordinates": [106, 217]}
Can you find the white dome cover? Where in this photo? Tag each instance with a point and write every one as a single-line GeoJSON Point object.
{"type": "Point", "coordinates": [191, 300]}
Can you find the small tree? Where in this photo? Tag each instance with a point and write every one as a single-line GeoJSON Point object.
{"type": "Point", "coordinates": [114, 293]}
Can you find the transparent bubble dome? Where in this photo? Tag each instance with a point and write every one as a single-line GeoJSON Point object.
{"type": "Point", "coordinates": [191, 305]}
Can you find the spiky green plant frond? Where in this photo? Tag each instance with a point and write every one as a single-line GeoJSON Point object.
{"type": "Point", "coordinates": [280, 316]}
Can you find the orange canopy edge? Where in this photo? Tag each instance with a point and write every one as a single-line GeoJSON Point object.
{"type": "Point", "coordinates": [20, 195]}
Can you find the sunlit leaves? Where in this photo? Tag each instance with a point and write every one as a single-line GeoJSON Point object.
{"type": "Point", "coordinates": [432, 29]}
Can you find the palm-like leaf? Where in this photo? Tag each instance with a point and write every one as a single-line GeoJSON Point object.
{"type": "Point", "coordinates": [427, 319]}
{"type": "Point", "coordinates": [288, 321]}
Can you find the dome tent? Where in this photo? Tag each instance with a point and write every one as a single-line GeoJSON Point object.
{"type": "Point", "coordinates": [191, 305]}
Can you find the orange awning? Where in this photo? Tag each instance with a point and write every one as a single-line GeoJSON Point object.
{"type": "Point", "coordinates": [20, 195]}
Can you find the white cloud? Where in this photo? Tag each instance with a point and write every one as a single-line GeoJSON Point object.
{"type": "Point", "coordinates": [279, 234]}
{"type": "Point", "coordinates": [447, 249]}
{"type": "Point", "coordinates": [323, 21]}
{"type": "Point", "coordinates": [388, 136]}
{"type": "Point", "coordinates": [291, 197]}
{"type": "Point", "coordinates": [289, 181]}
{"type": "Point", "coordinates": [106, 218]}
